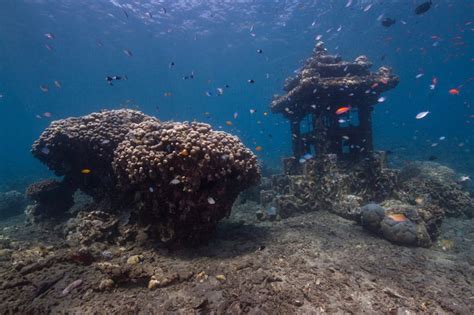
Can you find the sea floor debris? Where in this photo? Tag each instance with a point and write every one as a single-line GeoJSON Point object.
{"type": "Point", "coordinates": [313, 262]}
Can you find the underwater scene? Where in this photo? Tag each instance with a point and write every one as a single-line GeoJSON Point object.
{"type": "Point", "coordinates": [236, 157]}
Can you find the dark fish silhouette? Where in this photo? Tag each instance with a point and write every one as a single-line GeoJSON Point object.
{"type": "Point", "coordinates": [422, 8]}
{"type": "Point", "coordinates": [387, 22]}
{"type": "Point", "coordinates": [110, 79]}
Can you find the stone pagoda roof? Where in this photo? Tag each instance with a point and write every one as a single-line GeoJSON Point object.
{"type": "Point", "coordinates": [328, 81]}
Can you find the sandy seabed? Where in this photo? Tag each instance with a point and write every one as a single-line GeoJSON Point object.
{"type": "Point", "coordinates": [314, 263]}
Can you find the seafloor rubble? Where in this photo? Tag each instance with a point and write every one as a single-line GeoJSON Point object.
{"type": "Point", "coordinates": [311, 263]}
{"type": "Point", "coordinates": [171, 181]}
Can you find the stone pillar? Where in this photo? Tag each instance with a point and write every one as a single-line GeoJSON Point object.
{"type": "Point", "coordinates": [297, 144]}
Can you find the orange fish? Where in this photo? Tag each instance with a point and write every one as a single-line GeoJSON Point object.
{"type": "Point", "coordinates": [384, 81]}
{"type": "Point", "coordinates": [342, 110]}
{"type": "Point", "coordinates": [258, 148]}
{"type": "Point", "coordinates": [398, 217]}
{"type": "Point", "coordinates": [184, 153]}
{"type": "Point", "coordinates": [228, 123]}
{"type": "Point", "coordinates": [86, 171]}
{"type": "Point", "coordinates": [454, 92]}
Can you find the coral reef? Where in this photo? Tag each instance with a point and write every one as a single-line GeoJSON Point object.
{"type": "Point", "coordinates": [187, 175]}
{"type": "Point", "coordinates": [11, 203]}
{"type": "Point", "coordinates": [82, 148]}
{"type": "Point", "coordinates": [177, 179]}
{"type": "Point", "coordinates": [434, 186]}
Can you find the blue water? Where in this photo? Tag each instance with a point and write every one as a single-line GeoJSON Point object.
{"type": "Point", "coordinates": [217, 40]}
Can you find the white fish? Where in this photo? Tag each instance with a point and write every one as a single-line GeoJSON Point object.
{"type": "Point", "coordinates": [253, 111]}
{"type": "Point", "coordinates": [419, 75]}
{"type": "Point", "coordinates": [151, 189]}
{"type": "Point", "coordinates": [422, 115]}
{"type": "Point", "coordinates": [434, 145]}
{"type": "Point", "coordinates": [49, 35]}
{"type": "Point", "coordinates": [339, 28]}
{"type": "Point", "coordinates": [349, 3]}
{"type": "Point", "coordinates": [432, 86]}
{"type": "Point", "coordinates": [45, 150]}
{"type": "Point", "coordinates": [307, 156]}
{"type": "Point", "coordinates": [220, 91]}
{"type": "Point", "coordinates": [341, 121]}
{"type": "Point", "coordinates": [319, 37]}
{"type": "Point", "coordinates": [1, 95]}
{"type": "Point", "coordinates": [367, 8]}
{"type": "Point", "coordinates": [236, 115]}
{"type": "Point", "coordinates": [211, 201]}
{"type": "Point", "coordinates": [345, 137]}
{"type": "Point", "coordinates": [105, 141]}
{"type": "Point", "coordinates": [464, 179]}
{"type": "Point", "coordinates": [302, 160]}
{"type": "Point", "coordinates": [381, 99]}
{"type": "Point", "coordinates": [442, 138]}
{"type": "Point", "coordinates": [175, 181]}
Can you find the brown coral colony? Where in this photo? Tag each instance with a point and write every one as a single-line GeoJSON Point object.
{"type": "Point", "coordinates": [182, 176]}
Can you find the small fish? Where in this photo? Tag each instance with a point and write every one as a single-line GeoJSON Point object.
{"type": "Point", "coordinates": [49, 35]}
{"type": "Point", "coordinates": [253, 111]}
{"type": "Point", "coordinates": [183, 153]}
{"type": "Point", "coordinates": [125, 13]}
{"type": "Point", "coordinates": [163, 10]}
{"type": "Point", "coordinates": [45, 150]}
{"type": "Point", "coordinates": [258, 148]}
{"type": "Point", "coordinates": [48, 47]}
{"type": "Point", "coordinates": [1, 95]}
{"type": "Point", "coordinates": [397, 217]}
{"type": "Point", "coordinates": [127, 52]}
{"type": "Point", "coordinates": [422, 8]}
{"type": "Point", "coordinates": [211, 201]}
{"type": "Point", "coordinates": [349, 3]}
{"type": "Point", "coordinates": [442, 138]}
{"type": "Point", "coordinates": [419, 75]}
{"type": "Point", "coordinates": [167, 94]}
{"type": "Point", "coordinates": [251, 81]}
{"type": "Point", "coordinates": [302, 161]}
{"type": "Point", "coordinates": [175, 181]}
{"type": "Point", "coordinates": [342, 121]}
{"type": "Point", "coordinates": [57, 84]}
{"type": "Point", "coordinates": [235, 115]}
{"type": "Point", "coordinates": [307, 156]}
{"type": "Point", "coordinates": [150, 189]}
{"type": "Point", "coordinates": [342, 110]}
{"type": "Point", "coordinates": [85, 171]}
{"type": "Point", "coordinates": [318, 37]}
{"type": "Point", "coordinates": [171, 64]}
{"type": "Point", "coordinates": [44, 88]}
{"type": "Point", "coordinates": [259, 51]}
{"type": "Point", "coordinates": [228, 123]}
{"type": "Point", "coordinates": [47, 114]}
{"type": "Point", "coordinates": [387, 22]}
{"type": "Point", "coordinates": [454, 92]}
{"type": "Point", "coordinates": [112, 78]}
{"type": "Point", "coordinates": [149, 15]}
{"type": "Point", "coordinates": [367, 8]}
{"type": "Point", "coordinates": [464, 179]}
{"type": "Point", "coordinates": [208, 93]}
{"type": "Point", "coordinates": [422, 115]}
{"type": "Point", "coordinates": [220, 91]}
{"type": "Point", "coordinates": [381, 99]}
